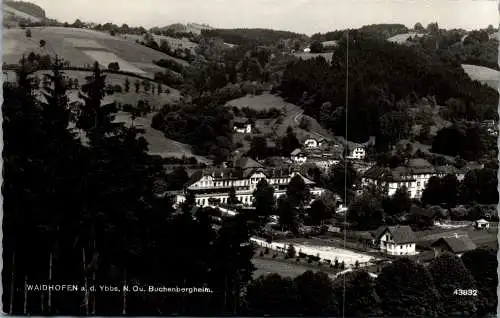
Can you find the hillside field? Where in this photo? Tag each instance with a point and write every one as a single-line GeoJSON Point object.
{"type": "Point", "coordinates": [10, 12]}
{"type": "Point", "coordinates": [158, 144]}
{"type": "Point", "coordinates": [306, 56]}
{"type": "Point", "coordinates": [83, 47]}
{"type": "Point", "coordinates": [403, 37]}
{"type": "Point", "coordinates": [292, 116]}
{"type": "Point", "coordinates": [173, 42]}
{"type": "Point", "coordinates": [483, 74]}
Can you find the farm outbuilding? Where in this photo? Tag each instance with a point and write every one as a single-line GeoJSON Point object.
{"type": "Point", "coordinates": [482, 224]}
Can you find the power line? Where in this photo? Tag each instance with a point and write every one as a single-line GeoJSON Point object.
{"type": "Point", "coordinates": [345, 161]}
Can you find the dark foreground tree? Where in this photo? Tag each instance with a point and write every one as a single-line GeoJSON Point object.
{"type": "Point", "coordinates": [316, 296]}
{"type": "Point", "coordinates": [482, 264]}
{"type": "Point", "coordinates": [359, 298]}
{"type": "Point", "coordinates": [272, 295]}
{"type": "Point", "coordinates": [407, 289]}
{"type": "Point", "coordinates": [449, 275]}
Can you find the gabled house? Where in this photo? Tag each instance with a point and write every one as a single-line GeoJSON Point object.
{"type": "Point", "coordinates": [456, 245]}
{"type": "Point", "coordinates": [298, 156]}
{"type": "Point", "coordinates": [242, 125]}
{"type": "Point", "coordinates": [481, 224]}
{"type": "Point", "coordinates": [396, 240]}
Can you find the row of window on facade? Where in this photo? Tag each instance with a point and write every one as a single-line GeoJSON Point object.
{"type": "Point", "coordinates": [401, 246]}
{"type": "Point", "coordinates": [238, 182]}
{"type": "Point", "coordinates": [242, 199]}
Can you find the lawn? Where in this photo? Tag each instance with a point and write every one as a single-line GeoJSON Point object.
{"type": "Point", "coordinates": [483, 74]}
{"type": "Point", "coordinates": [82, 47]}
{"type": "Point", "coordinates": [267, 264]}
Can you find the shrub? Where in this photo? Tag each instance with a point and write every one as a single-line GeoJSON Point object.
{"type": "Point", "coordinates": [290, 252]}
{"type": "Point", "coordinates": [302, 255]}
{"type": "Point", "coordinates": [261, 253]}
{"type": "Point", "coordinates": [297, 259]}
{"type": "Point", "coordinates": [309, 261]}
{"type": "Point", "coordinates": [266, 250]}
{"type": "Point", "coordinates": [275, 255]}
{"type": "Point", "coordinates": [28, 33]}
{"type": "Point", "coordinates": [305, 123]}
{"type": "Point", "coordinates": [114, 66]}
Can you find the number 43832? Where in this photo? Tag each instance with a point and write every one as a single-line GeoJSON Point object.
{"type": "Point", "coordinates": [465, 292]}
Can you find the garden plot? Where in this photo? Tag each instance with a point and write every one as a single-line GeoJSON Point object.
{"type": "Point", "coordinates": [104, 58]}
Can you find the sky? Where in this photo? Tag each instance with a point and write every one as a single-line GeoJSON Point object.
{"type": "Point", "coordinates": [302, 16]}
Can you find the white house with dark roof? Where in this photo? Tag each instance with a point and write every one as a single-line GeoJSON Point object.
{"type": "Point", "coordinates": [216, 183]}
{"type": "Point", "coordinates": [396, 240]}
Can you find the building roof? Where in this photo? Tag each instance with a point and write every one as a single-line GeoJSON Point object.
{"type": "Point", "coordinates": [456, 244]}
{"type": "Point", "coordinates": [296, 152]}
{"type": "Point", "coordinates": [306, 180]}
{"type": "Point", "coordinates": [401, 233]}
{"type": "Point", "coordinates": [406, 172]}
{"type": "Point", "coordinates": [448, 169]}
{"type": "Point", "coordinates": [240, 121]}
{"type": "Point", "coordinates": [384, 173]}
{"type": "Point", "coordinates": [482, 221]}
{"type": "Point", "coordinates": [247, 163]}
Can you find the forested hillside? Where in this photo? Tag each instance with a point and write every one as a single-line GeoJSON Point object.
{"type": "Point", "coordinates": [384, 79]}
{"type": "Point", "coordinates": [251, 36]}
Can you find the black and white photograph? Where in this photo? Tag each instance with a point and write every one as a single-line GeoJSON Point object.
{"type": "Point", "coordinates": [292, 158]}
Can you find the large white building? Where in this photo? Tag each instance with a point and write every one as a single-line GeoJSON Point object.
{"type": "Point", "coordinates": [216, 183]}
{"type": "Point", "coordinates": [414, 176]}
